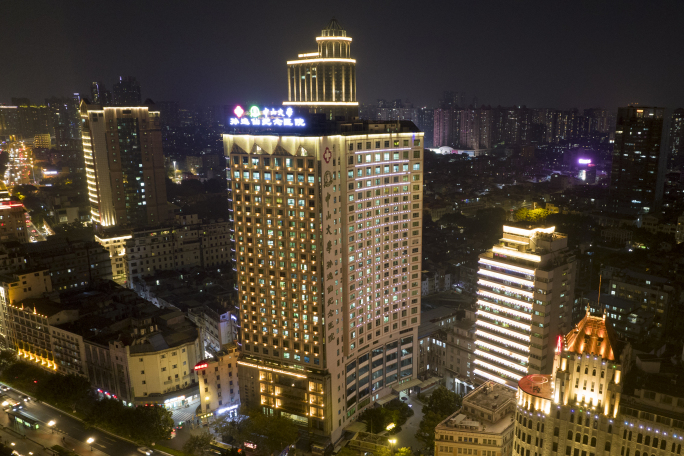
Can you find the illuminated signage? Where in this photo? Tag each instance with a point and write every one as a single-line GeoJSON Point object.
{"type": "Point", "coordinates": [200, 366]}
{"type": "Point", "coordinates": [250, 445]}
{"type": "Point", "coordinates": [257, 117]}
{"type": "Point", "coordinates": [584, 161]}
{"type": "Point", "coordinates": [174, 399]}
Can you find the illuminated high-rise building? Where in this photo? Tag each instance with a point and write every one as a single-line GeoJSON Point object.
{"type": "Point", "coordinates": [576, 409]}
{"type": "Point", "coordinates": [525, 297]}
{"type": "Point", "coordinates": [637, 179]}
{"type": "Point", "coordinates": [324, 81]}
{"type": "Point", "coordinates": [328, 249]}
{"type": "Point", "coordinates": [124, 165]}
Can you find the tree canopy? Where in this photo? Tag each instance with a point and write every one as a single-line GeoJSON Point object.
{"type": "Point", "coordinates": [197, 445]}
{"type": "Point", "coordinates": [270, 434]}
{"type": "Point", "coordinates": [438, 406]}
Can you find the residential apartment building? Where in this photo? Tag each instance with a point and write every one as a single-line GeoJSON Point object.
{"type": "Point", "coordinates": [434, 283]}
{"type": "Point", "coordinates": [328, 254]}
{"type": "Point", "coordinates": [178, 247]}
{"type": "Point", "coordinates": [72, 265]}
{"type": "Point", "coordinates": [218, 383]}
{"type": "Point", "coordinates": [446, 347]}
{"type": "Point", "coordinates": [15, 288]}
{"type": "Point", "coordinates": [125, 170]}
{"type": "Point", "coordinates": [639, 160]}
{"type": "Point", "coordinates": [482, 427]}
{"type": "Point", "coordinates": [126, 347]}
{"type": "Point", "coordinates": [525, 298]}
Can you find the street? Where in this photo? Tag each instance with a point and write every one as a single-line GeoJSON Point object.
{"type": "Point", "coordinates": [68, 432]}
{"type": "Point", "coordinates": [407, 436]}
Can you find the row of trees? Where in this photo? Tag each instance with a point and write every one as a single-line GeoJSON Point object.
{"type": "Point", "coordinates": [72, 392]}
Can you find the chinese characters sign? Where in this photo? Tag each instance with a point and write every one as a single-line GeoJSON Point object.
{"type": "Point", "coordinates": [257, 117]}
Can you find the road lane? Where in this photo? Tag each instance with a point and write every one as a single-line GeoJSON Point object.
{"type": "Point", "coordinates": [73, 430]}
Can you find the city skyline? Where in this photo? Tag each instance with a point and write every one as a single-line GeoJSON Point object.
{"type": "Point", "coordinates": [582, 58]}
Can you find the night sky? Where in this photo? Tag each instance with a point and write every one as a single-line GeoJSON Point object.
{"type": "Point", "coordinates": [541, 54]}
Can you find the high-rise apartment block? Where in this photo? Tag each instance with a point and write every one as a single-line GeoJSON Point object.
{"type": "Point", "coordinates": [675, 153]}
{"type": "Point", "coordinates": [324, 81]}
{"type": "Point", "coordinates": [525, 296]}
{"type": "Point", "coordinates": [328, 246]}
{"type": "Point", "coordinates": [639, 160]}
{"type": "Point", "coordinates": [100, 95]}
{"type": "Point", "coordinates": [124, 165]}
{"type": "Point", "coordinates": [126, 92]}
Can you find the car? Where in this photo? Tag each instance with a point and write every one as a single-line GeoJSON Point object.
{"type": "Point", "coordinates": [4, 387]}
{"type": "Point", "coordinates": [145, 450]}
{"type": "Point", "coordinates": [404, 398]}
{"type": "Point", "coordinates": [25, 398]}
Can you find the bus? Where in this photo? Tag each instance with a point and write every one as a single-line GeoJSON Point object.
{"type": "Point", "coordinates": [23, 420]}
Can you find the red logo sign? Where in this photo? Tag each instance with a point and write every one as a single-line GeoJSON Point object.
{"type": "Point", "coordinates": [201, 366]}
{"type": "Point", "coordinates": [327, 155]}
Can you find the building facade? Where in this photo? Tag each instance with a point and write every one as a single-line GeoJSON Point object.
{"type": "Point", "coordinates": [125, 170]}
{"type": "Point", "coordinates": [525, 298]}
{"type": "Point", "coordinates": [639, 162]}
{"type": "Point", "coordinates": [576, 410]}
{"type": "Point", "coordinates": [482, 427]}
{"type": "Point", "coordinates": [328, 240]}
{"type": "Point", "coordinates": [218, 382]}
{"type": "Point", "coordinates": [179, 246]}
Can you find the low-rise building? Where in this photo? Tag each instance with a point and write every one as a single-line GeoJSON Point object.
{"type": "Point", "coordinates": [218, 383]}
{"type": "Point", "coordinates": [161, 359]}
{"type": "Point", "coordinates": [178, 247]}
{"type": "Point", "coordinates": [483, 426]}
{"type": "Point", "coordinates": [446, 345]}
{"type": "Point", "coordinates": [73, 265]}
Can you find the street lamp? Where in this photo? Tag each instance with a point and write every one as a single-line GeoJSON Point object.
{"type": "Point", "coordinates": [392, 442]}
{"type": "Point", "coordinates": [51, 425]}
{"type": "Point", "coordinates": [90, 442]}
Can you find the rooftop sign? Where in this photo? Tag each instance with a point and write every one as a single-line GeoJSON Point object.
{"type": "Point", "coordinates": [257, 117]}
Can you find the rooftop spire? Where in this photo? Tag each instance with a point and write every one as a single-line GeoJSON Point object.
{"type": "Point", "coordinates": [333, 29]}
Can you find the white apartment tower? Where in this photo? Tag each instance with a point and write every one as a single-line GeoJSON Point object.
{"type": "Point", "coordinates": [525, 297]}
{"type": "Point", "coordinates": [328, 246]}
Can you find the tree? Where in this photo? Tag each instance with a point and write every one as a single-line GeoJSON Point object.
{"type": "Point", "coordinates": [426, 429]}
{"type": "Point", "coordinates": [270, 434]}
{"type": "Point", "coordinates": [405, 451]}
{"type": "Point", "coordinates": [375, 419]}
{"type": "Point", "coordinates": [150, 424]}
{"type": "Point", "coordinates": [443, 402]}
{"type": "Point", "coordinates": [231, 428]}
{"type": "Point", "coordinates": [197, 444]}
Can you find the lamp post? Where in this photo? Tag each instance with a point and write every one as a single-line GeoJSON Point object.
{"type": "Point", "coordinates": [51, 425]}
{"type": "Point", "coordinates": [392, 442]}
{"type": "Point", "coordinates": [90, 442]}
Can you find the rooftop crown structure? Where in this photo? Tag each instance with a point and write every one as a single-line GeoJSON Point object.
{"type": "Point", "coordinates": [324, 81]}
